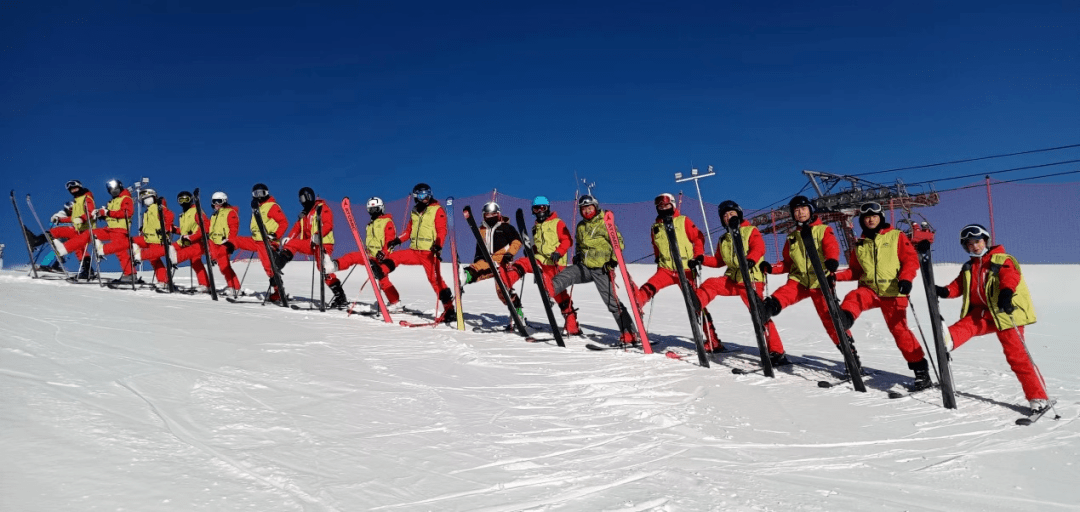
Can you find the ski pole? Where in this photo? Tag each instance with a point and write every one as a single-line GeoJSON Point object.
{"type": "Point", "coordinates": [313, 269]}
{"type": "Point", "coordinates": [922, 337]}
{"type": "Point", "coordinates": [250, 256]}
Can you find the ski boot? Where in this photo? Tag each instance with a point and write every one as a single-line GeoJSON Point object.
{"type": "Point", "coordinates": [572, 328]}
{"type": "Point", "coordinates": [778, 359]}
{"type": "Point", "coordinates": [629, 338]}
{"type": "Point", "coordinates": [449, 315]}
{"type": "Point", "coordinates": [922, 375]}
{"type": "Point", "coordinates": [281, 257]}
{"type": "Point", "coordinates": [340, 300]}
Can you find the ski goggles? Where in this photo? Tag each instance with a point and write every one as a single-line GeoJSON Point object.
{"type": "Point", "coordinates": [74, 184]}
{"type": "Point", "coordinates": [260, 193]}
{"type": "Point", "coordinates": [422, 195]}
{"type": "Point", "coordinates": [540, 208]}
{"type": "Point", "coordinates": [217, 202]}
{"type": "Point", "coordinates": [973, 232]}
{"type": "Point", "coordinates": [871, 207]}
{"type": "Point", "coordinates": [183, 199]}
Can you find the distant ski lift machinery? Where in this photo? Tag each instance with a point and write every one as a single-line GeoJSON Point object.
{"type": "Point", "coordinates": [838, 201]}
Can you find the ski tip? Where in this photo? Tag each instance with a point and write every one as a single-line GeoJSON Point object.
{"type": "Point", "coordinates": [896, 394]}
{"type": "Point", "coordinates": [1024, 422]}
{"type": "Point", "coordinates": [671, 355]}
{"type": "Point", "coordinates": [824, 384]}
{"type": "Point", "coordinates": [739, 371]}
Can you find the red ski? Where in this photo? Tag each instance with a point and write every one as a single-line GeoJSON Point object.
{"type": "Point", "coordinates": [347, 209]}
{"type": "Point", "coordinates": [613, 236]}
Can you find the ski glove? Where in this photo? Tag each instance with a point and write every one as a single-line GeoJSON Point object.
{"type": "Point", "coordinates": [283, 240]}
{"type": "Point", "coordinates": [1005, 301]}
{"type": "Point", "coordinates": [77, 222]}
{"type": "Point", "coordinates": [379, 256]}
{"type": "Point", "coordinates": [555, 257]}
{"type": "Point", "coordinates": [941, 292]}
{"type": "Point", "coordinates": [437, 251]}
{"type": "Point", "coordinates": [832, 265]}
{"type": "Point", "coordinates": [905, 287]}
{"type": "Point", "coordinates": [610, 265]}
{"type": "Point", "coordinates": [316, 239]}
{"type": "Point", "coordinates": [695, 263]}
{"type": "Point", "coordinates": [765, 267]}
{"type": "Point", "coordinates": [100, 212]}
{"type": "Point", "coordinates": [55, 219]}
{"type": "Point", "coordinates": [578, 258]}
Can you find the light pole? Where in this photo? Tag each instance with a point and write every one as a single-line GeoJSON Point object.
{"type": "Point", "coordinates": [137, 189]}
{"type": "Point", "coordinates": [695, 177]}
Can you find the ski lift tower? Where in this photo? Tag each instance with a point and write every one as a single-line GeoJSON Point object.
{"type": "Point", "coordinates": [694, 176]}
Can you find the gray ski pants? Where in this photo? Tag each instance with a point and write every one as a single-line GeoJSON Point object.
{"type": "Point", "coordinates": [579, 273]}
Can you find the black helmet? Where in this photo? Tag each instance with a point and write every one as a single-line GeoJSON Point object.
{"type": "Point", "coordinates": [74, 184]}
{"type": "Point", "coordinates": [115, 187]}
{"type": "Point", "coordinates": [869, 209]}
{"type": "Point", "coordinates": [307, 197]}
{"type": "Point", "coordinates": [798, 201]}
{"type": "Point", "coordinates": [421, 192]}
{"type": "Point", "coordinates": [185, 199]}
{"type": "Point", "coordinates": [587, 200]}
{"type": "Point", "coordinates": [260, 192]}
{"type": "Point", "coordinates": [730, 206]}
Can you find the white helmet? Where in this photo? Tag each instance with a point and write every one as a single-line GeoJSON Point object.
{"type": "Point", "coordinates": [148, 196]}
{"type": "Point", "coordinates": [375, 205]}
{"type": "Point", "coordinates": [219, 198]}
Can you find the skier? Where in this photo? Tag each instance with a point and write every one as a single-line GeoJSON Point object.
{"type": "Point", "coordinates": [594, 261]}
{"type": "Point", "coordinates": [79, 218]}
{"type": "Point", "coordinates": [996, 300]}
{"type": "Point", "coordinates": [691, 245]}
{"type": "Point", "coordinates": [117, 215]}
{"type": "Point", "coordinates": [187, 247]}
{"type": "Point", "coordinates": [224, 226]}
{"type": "Point", "coordinates": [427, 230]}
{"type": "Point", "coordinates": [304, 240]}
{"type": "Point", "coordinates": [276, 227]}
{"type": "Point", "coordinates": [885, 263]}
{"type": "Point", "coordinates": [802, 282]}
{"type": "Point", "coordinates": [731, 283]}
{"type": "Point", "coordinates": [147, 246]}
{"type": "Point", "coordinates": [380, 230]}
{"type": "Point", "coordinates": [502, 242]}
{"type": "Point", "coordinates": [551, 241]}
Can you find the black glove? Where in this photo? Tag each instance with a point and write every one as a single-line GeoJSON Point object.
{"type": "Point", "coordinates": [579, 258]}
{"type": "Point", "coordinates": [610, 265]}
{"type": "Point", "coordinates": [942, 292]}
{"type": "Point", "coordinates": [379, 256]}
{"type": "Point", "coordinates": [695, 264]}
{"type": "Point", "coordinates": [555, 256]}
{"type": "Point", "coordinates": [923, 246]}
{"type": "Point", "coordinates": [436, 249]}
{"type": "Point", "coordinates": [832, 265]}
{"type": "Point", "coordinates": [1005, 301]}
{"type": "Point", "coordinates": [229, 247]}
{"type": "Point", "coordinates": [765, 267]}
{"type": "Point", "coordinates": [905, 287]}
{"type": "Point", "coordinates": [394, 242]}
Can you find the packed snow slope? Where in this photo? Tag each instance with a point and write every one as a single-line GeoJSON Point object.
{"type": "Point", "coordinates": [121, 400]}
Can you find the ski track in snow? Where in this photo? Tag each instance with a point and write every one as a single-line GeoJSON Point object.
{"type": "Point", "coordinates": [143, 401]}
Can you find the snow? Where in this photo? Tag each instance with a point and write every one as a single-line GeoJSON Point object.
{"type": "Point", "coordinates": [114, 400]}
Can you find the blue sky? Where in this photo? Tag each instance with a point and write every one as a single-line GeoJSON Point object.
{"type": "Point", "coordinates": [369, 98]}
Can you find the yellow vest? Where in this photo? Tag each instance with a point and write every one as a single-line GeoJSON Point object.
{"type": "Point", "coordinates": [151, 224]}
{"type": "Point", "coordinates": [423, 228]}
{"type": "Point", "coordinates": [546, 240]}
{"type": "Point", "coordinates": [271, 225]}
{"type": "Point", "coordinates": [801, 269]}
{"type": "Point", "coordinates": [1025, 310]}
{"type": "Point", "coordinates": [880, 261]}
{"type": "Point", "coordinates": [188, 225]}
{"type": "Point", "coordinates": [328, 239]}
{"type": "Point", "coordinates": [592, 238]}
{"type": "Point", "coordinates": [660, 238]}
{"type": "Point", "coordinates": [376, 238]}
{"type": "Point", "coordinates": [219, 225]}
{"type": "Point", "coordinates": [114, 205]}
{"type": "Point", "coordinates": [727, 251]}
{"type": "Point", "coordinates": [78, 210]}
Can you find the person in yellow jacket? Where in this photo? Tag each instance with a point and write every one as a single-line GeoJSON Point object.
{"type": "Point", "coordinates": [594, 261]}
{"type": "Point", "coordinates": [276, 227]}
{"type": "Point", "coordinates": [189, 246]}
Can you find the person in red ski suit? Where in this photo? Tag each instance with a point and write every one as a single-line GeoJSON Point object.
{"type": "Point", "coordinates": [731, 283]}
{"type": "Point", "coordinates": [224, 226]}
{"type": "Point", "coordinates": [802, 282]}
{"type": "Point", "coordinates": [148, 246]}
{"type": "Point", "coordinates": [306, 235]}
{"type": "Point", "coordinates": [380, 230]}
{"type": "Point", "coordinates": [551, 243]}
{"type": "Point", "coordinates": [427, 230]}
{"type": "Point", "coordinates": [691, 243]}
{"type": "Point", "coordinates": [67, 238]}
{"type": "Point", "coordinates": [189, 246]}
{"type": "Point", "coordinates": [996, 300]}
{"type": "Point", "coordinates": [276, 227]}
{"type": "Point", "coordinates": [116, 235]}
{"type": "Point", "coordinates": [885, 263]}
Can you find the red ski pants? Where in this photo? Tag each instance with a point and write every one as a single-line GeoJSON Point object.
{"type": "Point", "coordinates": [523, 266]}
{"type": "Point", "coordinates": [79, 242]}
{"type": "Point", "coordinates": [388, 288]}
{"type": "Point", "coordinates": [192, 253]}
{"type": "Point", "coordinates": [220, 254]}
{"type": "Point", "coordinates": [978, 322]}
{"type": "Point", "coordinates": [69, 233]}
{"type": "Point", "coordinates": [245, 243]}
{"type": "Point", "coordinates": [303, 246]}
{"type": "Point", "coordinates": [722, 286]}
{"type": "Point", "coordinates": [792, 292]}
{"type": "Point", "coordinates": [894, 309]}
{"type": "Point", "coordinates": [149, 252]}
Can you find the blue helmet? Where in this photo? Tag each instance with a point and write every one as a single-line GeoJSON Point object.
{"type": "Point", "coordinates": [541, 201]}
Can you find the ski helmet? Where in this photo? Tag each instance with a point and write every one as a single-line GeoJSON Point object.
{"type": "Point", "coordinates": [260, 192]}
{"type": "Point", "coordinates": [492, 208]}
{"type": "Point", "coordinates": [800, 201]}
{"type": "Point", "coordinates": [730, 206]}
{"type": "Point", "coordinates": [148, 196]}
{"type": "Point", "coordinates": [115, 187]}
{"type": "Point", "coordinates": [870, 209]}
{"type": "Point", "coordinates": [973, 232]}
{"type": "Point", "coordinates": [587, 200]}
{"type": "Point", "coordinates": [421, 192]}
{"type": "Point", "coordinates": [184, 199]}
{"type": "Point", "coordinates": [541, 201]}
{"type": "Point", "coordinates": [541, 208]}
{"type": "Point", "coordinates": [665, 203]}
{"type": "Point", "coordinates": [375, 206]}
{"type": "Point", "coordinates": [307, 197]}
{"type": "Point", "coordinates": [69, 206]}
{"type": "Point", "coordinates": [74, 184]}
{"type": "Point", "coordinates": [219, 199]}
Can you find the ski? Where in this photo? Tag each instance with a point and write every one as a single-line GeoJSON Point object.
{"type": "Point", "coordinates": [204, 240]}
{"type": "Point", "coordinates": [613, 237]}
{"type": "Point", "coordinates": [1032, 418]}
{"type": "Point", "coordinates": [894, 394]}
{"type": "Point", "coordinates": [545, 297]}
{"type": "Point", "coordinates": [319, 261]}
{"type": "Point", "coordinates": [22, 229]}
{"type": "Point", "coordinates": [346, 208]}
{"type": "Point", "coordinates": [926, 237]}
{"type": "Point", "coordinates": [688, 293]}
{"type": "Point", "coordinates": [518, 323]}
{"type": "Point", "coordinates": [617, 346]}
{"type": "Point", "coordinates": [807, 235]}
{"type": "Point", "coordinates": [282, 296]}
{"type": "Point", "coordinates": [166, 241]}
{"type": "Point", "coordinates": [454, 263]}
{"type": "Point", "coordinates": [48, 236]}
{"type": "Point", "coordinates": [752, 297]}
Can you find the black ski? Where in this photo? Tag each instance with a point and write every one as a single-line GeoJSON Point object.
{"type": "Point", "coordinates": [854, 372]}
{"type": "Point", "coordinates": [166, 241]}
{"type": "Point", "coordinates": [1032, 418]}
{"type": "Point", "coordinates": [22, 230]}
{"type": "Point", "coordinates": [692, 307]}
{"type": "Point", "coordinates": [538, 274]}
{"type": "Point", "coordinates": [319, 261]}
{"type": "Point", "coordinates": [948, 390]}
{"type": "Point", "coordinates": [752, 297]}
{"type": "Point", "coordinates": [204, 240]}
{"type": "Point", "coordinates": [276, 280]}
{"type": "Point", "coordinates": [518, 323]}
{"type": "Point", "coordinates": [48, 236]}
